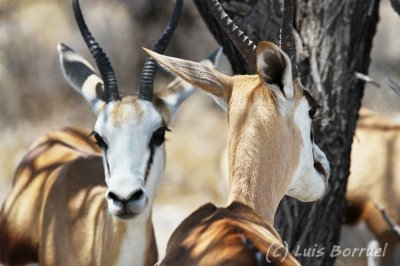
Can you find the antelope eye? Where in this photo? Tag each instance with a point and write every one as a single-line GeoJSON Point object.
{"type": "Point", "coordinates": [158, 137]}
{"type": "Point", "coordinates": [99, 140]}
{"type": "Point", "coordinates": [313, 112]}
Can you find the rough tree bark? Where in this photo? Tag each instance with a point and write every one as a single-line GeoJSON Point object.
{"type": "Point", "coordinates": [334, 40]}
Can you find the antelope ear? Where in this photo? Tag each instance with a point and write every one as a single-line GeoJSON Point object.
{"type": "Point", "coordinates": [179, 90]}
{"type": "Point", "coordinates": [81, 76]}
{"type": "Point", "coordinates": [275, 69]}
{"type": "Point", "coordinates": [196, 74]}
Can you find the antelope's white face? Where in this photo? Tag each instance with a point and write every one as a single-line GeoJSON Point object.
{"type": "Point", "coordinates": [310, 179]}
{"type": "Point", "coordinates": [130, 132]}
{"type": "Point", "coordinates": [270, 117]}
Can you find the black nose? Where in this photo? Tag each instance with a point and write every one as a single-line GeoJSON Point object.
{"type": "Point", "coordinates": [135, 196]}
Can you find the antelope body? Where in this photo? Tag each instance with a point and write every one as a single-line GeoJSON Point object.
{"type": "Point", "coordinates": [20, 215]}
{"type": "Point", "coordinates": [75, 202]}
{"type": "Point", "coordinates": [374, 180]}
{"type": "Point", "coordinates": [271, 153]}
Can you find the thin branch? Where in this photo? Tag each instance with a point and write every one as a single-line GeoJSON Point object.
{"type": "Point", "coordinates": [367, 79]}
{"type": "Point", "coordinates": [393, 85]}
{"type": "Point", "coordinates": [389, 220]}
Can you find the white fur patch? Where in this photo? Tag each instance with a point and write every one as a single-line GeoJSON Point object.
{"type": "Point", "coordinates": [307, 183]}
{"type": "Point", "coordinates": [136, 242]}
{"type": "Point", "coordinates": [90, 93]}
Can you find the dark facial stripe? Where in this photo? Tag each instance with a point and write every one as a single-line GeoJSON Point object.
{"type": "Point", "coordinates": [149, 163]}
{"type": "Point", "coordinates": [148, 167]}
{"type": "Point", "coordinates": [312, 136]}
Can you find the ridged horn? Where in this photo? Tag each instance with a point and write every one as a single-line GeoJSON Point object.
{"type": "Point", "coordinates": [102, 61]}
{"type": "Point", "coordinates": [150, 66]}
{"type": "Point", "coordinates": [286, 35]}
{"type": "Point", "coordinates": [242, 42]}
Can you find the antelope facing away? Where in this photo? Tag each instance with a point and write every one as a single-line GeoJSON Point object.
{"type": "Point", "coordinates": [271, 153]}
{"type": "Point", "coordinates": [374, 181]}
{"type": "Point", "coordinates": [71, 204]}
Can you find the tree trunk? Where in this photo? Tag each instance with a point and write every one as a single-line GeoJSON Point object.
{"type": "Point", "coordinates": [334, 40]}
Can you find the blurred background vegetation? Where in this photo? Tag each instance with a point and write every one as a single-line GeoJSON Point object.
{"type": "Point", "coordinates": [35, 98]}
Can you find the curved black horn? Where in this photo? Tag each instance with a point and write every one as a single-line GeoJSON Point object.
{"type": "Point", "coordinates": [102, 61]}
{"type": "Point", "coordinates": [241, 41]}
{"type": "Point", "coordinates": [286, 37]}
{"type": "Point", "coordinates": [150, 66]}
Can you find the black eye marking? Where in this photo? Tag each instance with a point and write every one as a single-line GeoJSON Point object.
{"type": "Point", "coordinates": [99, 140]}
{"type": "Point", "coordinates": [158, 137]}
{"type": "Point", "coordinates": [315, 108]}
{"type": "Point", "coordinates": [314, 112]}
{"type": "Point", "coordinates": [103, 145]}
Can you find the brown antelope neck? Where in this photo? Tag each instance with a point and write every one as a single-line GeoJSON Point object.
{"type": "Point", "coordinates": [259, 139]}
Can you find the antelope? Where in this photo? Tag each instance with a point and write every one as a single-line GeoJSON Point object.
{"type": "Point", "coordinates": [75, 202]}
{"type": "Point", "coordinates": [271, 152]}
{"type": "Point", "coordinates": [374, 180]}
